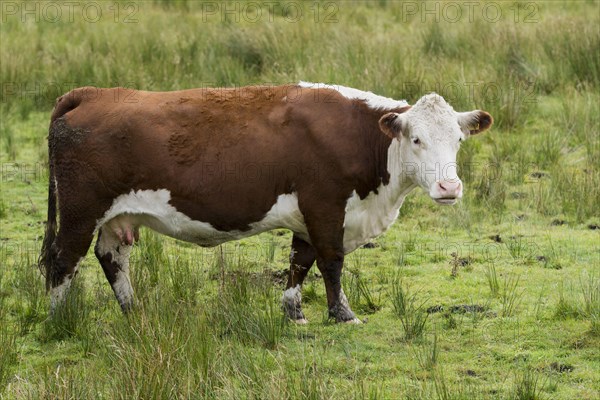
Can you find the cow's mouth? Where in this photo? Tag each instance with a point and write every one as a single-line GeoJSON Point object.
{"type": "Point", "coordinates": [448, 201]}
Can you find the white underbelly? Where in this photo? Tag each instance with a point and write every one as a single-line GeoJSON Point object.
{"type": "Point", "coordinates": [151, 208]}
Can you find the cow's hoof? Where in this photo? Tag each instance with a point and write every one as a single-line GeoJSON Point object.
{"type": "Point", "coordinates": [301, 321]}
{"type": "Point", "coordinates": [127, 307]}
{"type": "Point", "coordinates": [355, 321]}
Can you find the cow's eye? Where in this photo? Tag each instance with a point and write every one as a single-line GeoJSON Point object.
{"type": "Point", "coordinates": [460, 139]}
{"type": "Point", "coordinates": [416, 141]}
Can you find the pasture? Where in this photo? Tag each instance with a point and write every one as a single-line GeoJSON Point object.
{"type": "Point", "coordinates": [497, 297]}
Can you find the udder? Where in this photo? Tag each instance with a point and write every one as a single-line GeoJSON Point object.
{"type": "Point", "coordinates": [125, 227]}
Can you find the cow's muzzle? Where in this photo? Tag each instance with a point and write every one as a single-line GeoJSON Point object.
{"type": "Point", "coordinates": [446, 192]}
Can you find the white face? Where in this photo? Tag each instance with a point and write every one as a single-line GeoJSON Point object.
{"type": "Point", "coordinates": [430, 134]}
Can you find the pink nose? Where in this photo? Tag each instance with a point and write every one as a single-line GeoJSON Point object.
{"type": "Point", "coordinates": [449, 188]}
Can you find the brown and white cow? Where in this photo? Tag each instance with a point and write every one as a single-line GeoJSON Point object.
{"type": "Point", "coordinates": [332, 164]}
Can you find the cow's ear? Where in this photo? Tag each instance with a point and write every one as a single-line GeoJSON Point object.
{"type": "Point", "coordinates": [475, 121]}
{"type": "Point", "coordinates": [391, 124]}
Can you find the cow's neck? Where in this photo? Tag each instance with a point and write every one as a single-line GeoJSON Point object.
{"type": "Point", "coordinates": [391, 193]}
{"type": "Point", "coordinates": [389, 198]}
{"type": "Point", "coordinates": [369, 217]}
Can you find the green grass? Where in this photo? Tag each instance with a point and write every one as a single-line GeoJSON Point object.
{"type": "Point", "coordinates": [208, 323]}
{"type": "Point", "coordinates": [409, 307]}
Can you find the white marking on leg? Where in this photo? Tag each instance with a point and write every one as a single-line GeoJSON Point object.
{"type": "Point", "coordinates": [292, 295]}
{"type": "Point", "coordinates": [123, 289]}
{"type": "Point", "coordinates": [343, 303]}
{"type": "Point", "coordinates": [292, 303]}
{"type": "Point", "coordinates": [110, 244]}
{"type": "Point", "coordinates": [58, 293]}
{"type": "Point", "coordinates": [343, 299]}
{"type": "Point", "coordinates": [354, 321]}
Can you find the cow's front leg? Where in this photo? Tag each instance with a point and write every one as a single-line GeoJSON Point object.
{"type": "Point", "coordinates": [302, 257]}
{"type": "Point", "coordinates": [331, 269]}
{"type": "Point", "coordinates": [326, 229]}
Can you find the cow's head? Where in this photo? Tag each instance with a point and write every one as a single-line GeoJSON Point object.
{"type": "Point", "coordinates": [429, 136]}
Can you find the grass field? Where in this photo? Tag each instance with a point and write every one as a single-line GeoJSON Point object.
{"type": "Point", "coordinates": [497, 297]}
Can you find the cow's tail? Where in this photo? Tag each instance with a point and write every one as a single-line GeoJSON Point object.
{"type": "Point", "coordinates": [47, 260]}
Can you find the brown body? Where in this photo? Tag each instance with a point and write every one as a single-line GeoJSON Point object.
{"type": "Point", "coordinates": [225, 156]}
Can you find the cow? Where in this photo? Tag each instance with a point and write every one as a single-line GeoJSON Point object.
{"type": "Point", "coordinates": [331, 164]}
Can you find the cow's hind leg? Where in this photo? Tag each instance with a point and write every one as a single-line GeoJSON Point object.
{"type": "Point", "coordinates": [70, 247]}
{"type": "Point", "coordinates": [302, 257]}
{"type": "Point", "coordinates": [113, 253]}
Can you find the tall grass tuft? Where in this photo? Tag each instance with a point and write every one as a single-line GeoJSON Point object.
{"type": "Point", "coordinates": [8, 136]}
{"type": "Point", "coordinates": [521, 249]}
{"type": "Point", "coordinates": [510, 296]}
{"type": "Point", "coordinates": [527, 385]}
{"type": "Point", "coordinates": [364, 390]}
{"type": "Point", "coordinates": [186, 281]}
{"type": "Point", "coordinates": [270, 248]}
{"type": "Point", "coordinates": [437, 42]}
{"type": "Point", "coordinates": [548, 149]}
{"type": "Point", "coordinates": [248, 312]}
{"type": "Point", "coordinates": [586, 305]}
{"type": "Point", "coordinates": [147, 259]}
{"type": "Point", "coordinates": [578, 117]}
{"type": "Point", "coordinates": [28, 283]}
{"type": "Point", "coordinates": [566, 307]}
{"type": "Point", "coordinates": [447, 391]}
{"type": "Point", "coordinates": [267, 323]}
{"type": "Point", "coordinates": [165, 348]}
{"type": "Point", "coordinates": [59, 382]}
{"type": "Point", "coordinates": [544, 198]}
{"type": "Point", "coordinates": [310, 383]}
{"type": "Point", "coordinates": [427, 356]}
{"type": "Point", "coordinates": [490, 190]}
{"type": "Point", "coordinates": [8, 352]}
{"type": "Point", "coordinates": [410, 309]}
{"type": "Point", "coordinates": [2, 292]}
{"type": "Point", "coordinates": [492, 279]}
{"type": "Point", "coordinates": [576, 46]}
{"type": "Point", "coordinates": [590, 291]}
{"type": "Point", "coordinates": [577, 191]}
{"type": "Point", "coordinates": [245, 49]}
{"type": "Point", "coordinates": [71, 318]}
{"type": "Point", "coordinates": [359, 292]}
